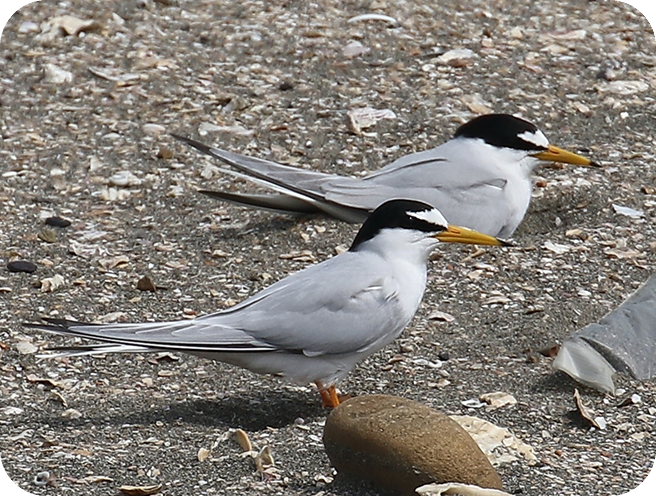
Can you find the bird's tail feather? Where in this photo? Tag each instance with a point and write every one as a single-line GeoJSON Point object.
{"type": "Point", "coordinates": [93, 349]}
{"type": "Point", "coordinates": [187, 336]}
{"type": "Point", "coordinates": [313, 203]}
{"type": "Point", "coordinates": [270, 173]}
{"type": "Point", "coordinates": [301, 185]}
{"type": "Point", "coordinates": [275, 202]}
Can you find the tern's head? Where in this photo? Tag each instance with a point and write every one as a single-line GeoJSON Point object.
{"type": "Point", "coordinates": [517, 136]}
{"type": "Point", "coordinates": [411, 222]}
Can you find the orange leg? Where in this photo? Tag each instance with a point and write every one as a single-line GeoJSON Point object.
{"type": "Point", "coordinates": [329, 398]}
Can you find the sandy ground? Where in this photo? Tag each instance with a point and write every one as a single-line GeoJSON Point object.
{"type": "Point", "coordinates": [276, 79]}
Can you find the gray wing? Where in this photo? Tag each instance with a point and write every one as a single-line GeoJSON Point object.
{"type": "Point", "coordinates": [345, 304]}
{"type": "Point", "coordinates": [467, 193]}
{"type": "Point", "coordinates": [338, 306]}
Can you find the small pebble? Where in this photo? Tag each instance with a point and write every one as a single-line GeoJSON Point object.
{"type": "Point", "coordinates": [47, 235]}
{"type": "Point", "coordinates": [21, 266]}
{"type": "Point", "coordinates": [42, 478]}
{"type": "Point", "coordinates": [57, 222]}
{"type": "Point", "coordinates": [153, 129]}
{"type": "Point", "coordinates": [146, 284]}
{"type": "Point", "coordinates": [29, 27]}
{"type": "Point", "coordinates": [165, 153]}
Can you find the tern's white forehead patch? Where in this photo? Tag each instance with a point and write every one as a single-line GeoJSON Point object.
{"type": "Point", "coordinates": [537, 138]}
{"type": "Point", "coordinates": [433, 216]}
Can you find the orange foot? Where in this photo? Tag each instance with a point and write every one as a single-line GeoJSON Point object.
{"type": "Point", "coordinates": [329, 398]}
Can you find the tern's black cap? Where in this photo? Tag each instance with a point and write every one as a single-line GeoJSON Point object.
{"type": "Point", "coordinates": [398, 214]}
{"type": "Point", "coordinates": [502, 130]}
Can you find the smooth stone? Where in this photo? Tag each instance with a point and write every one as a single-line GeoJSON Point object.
{"type": "Point", "coordinates": [21, 266]}
{"type": "Point", "coordinates": [58, 222]}
{"type": "Point", "coordinates": [398, 445]}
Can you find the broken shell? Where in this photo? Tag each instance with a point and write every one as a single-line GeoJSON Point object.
{"type": "Point", "coordinates": [56, 75]}
{"type": "Point", "coordinates": [587, 413]}
{"type": "Point", "coordinates": [164, 153]}
{"type": "Point", "coordinates": [25, 348]}
{"type": "Point", "coordinates": [71, 413]}
{"type": "Point", "coordinates": [456, 56]}
{"type": "Point", "coordinates": [264, 459]}
{"type": "Point", "coordinates": [499, 444]}
{"type": "Point", "coordinates": [47, 235]}
{"type": "Point", "coordinates": [49, 284]}
{"type": "Point", "coordinates": [243, 441]}
{"type": "Point", "coordinates": [153, 129]}
{"type": "Point", "coordinates": [124, 178]}
{"type": "Point", "coordinates": [458, 488]}
{"type": "Point", "coordinates": [355, 48]}
{"type": "Point", "coordinates": [442, 316]}
{"type": "Point", "coordinates": [72, 25]}
{"type": "Point", "coordinates": [203, 454]}
{"type": "Point", "coordinates": [624, 88]}
{"type": "Point", "coordinates": [498, 399]}
{"type": "Point", "coordinates": [362, 118]}
{"type": "Point", "coordinates": [140, 490]}
{"type": "Point", "coordinates": [373, 17]}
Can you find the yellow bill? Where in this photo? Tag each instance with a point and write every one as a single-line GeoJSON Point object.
{"type": "Point", "coordinates": [456, 234]}
{"type": "Point", "coordinates": [555, 154]}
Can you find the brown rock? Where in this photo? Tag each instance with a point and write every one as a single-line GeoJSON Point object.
{"type": "Point", "coordinates": [399, 445]}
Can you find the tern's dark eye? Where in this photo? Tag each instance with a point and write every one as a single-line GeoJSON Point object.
{"type": "Point", "coordinates": [504, 131]}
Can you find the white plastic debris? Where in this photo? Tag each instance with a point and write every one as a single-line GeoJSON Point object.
{"type": "Point", "coordinates": [623, 341]}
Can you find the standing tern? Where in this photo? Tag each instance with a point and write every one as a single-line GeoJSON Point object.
{"type": "Point", "coordinates": [315, 325]}
{"type": "Point", "coordinates": [480, 179]}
